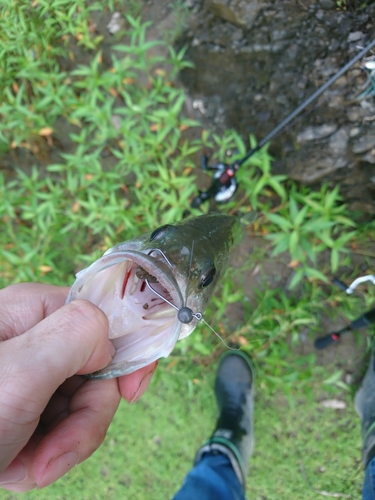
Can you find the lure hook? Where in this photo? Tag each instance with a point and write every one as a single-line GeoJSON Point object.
{"type": "Point", "coordinates": [162, 254]}
{"type": "Point", "coordinates": [184, 314]}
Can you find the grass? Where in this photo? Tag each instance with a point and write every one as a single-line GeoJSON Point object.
{"type": "Point", "coordinates": [125, 133]}
{"type": "Point", "coordinates": [151, 445]}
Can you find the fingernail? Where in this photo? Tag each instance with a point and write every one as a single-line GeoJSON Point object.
{"type": "Point", "coordinates": [142, 386]}
{"type": "Point", "coordinates": [111, 348]}
{"type": "Point", "coordinates": [58, 467]}
{"type": "Point", "coordinates": [14, 473]}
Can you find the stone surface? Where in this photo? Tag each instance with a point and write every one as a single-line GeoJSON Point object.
{"type": "Point", "coordinates": [338, 142]}
{"type": "Point", "coordinates": [251, 76]}
{"type": "Point", "coordinates": [239, 12]}
{"type": "Point", "coordinates": [364, 143]}
{"type": "Point", "coordinates": [319, 132]}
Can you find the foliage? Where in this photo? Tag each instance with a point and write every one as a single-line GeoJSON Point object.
{"type": "Point", "coordinates": [310, 224]}
{"type": "Point", "coordinates": [34, 90]}
{"type": "Point", "coordinates": [302, 222]}
{"type": "Point", "coordinates": [127, 150]}
{"type": "Point", "coordinates": [177, 414]}
{"type": "Point", "coordinates": [126, 167]}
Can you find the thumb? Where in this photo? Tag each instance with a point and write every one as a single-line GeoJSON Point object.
{"type": "Point", "coordinates": [71, 340]}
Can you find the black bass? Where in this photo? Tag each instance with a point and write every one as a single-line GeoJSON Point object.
{"type": "Point", "coordinates": [154, 288]}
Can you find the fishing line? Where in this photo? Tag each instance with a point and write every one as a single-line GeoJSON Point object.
{"type": "Point", "coordinates": [308, 101]}
{"type": "Point", "coordinates": [221, 338]}
{"type": "Point", "coordinates": [190, 263]}
{"type": "Point", "coordinates": [185, 314]}
{"type": "Point", "coordinates": [204, 321]}
{"type": "Point", "coordinates": [313, 108]}
{"type": "Point", "coordinates": [224, 183]}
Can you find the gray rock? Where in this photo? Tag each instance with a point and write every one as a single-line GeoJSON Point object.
{"type": "Point", "coordinates": [116, 23]}
{"type": "Point", "coordinates": [354, 131]}
{"type": "Point", "coordinates": [317, 132]}
{"type": "Point", "coordinates": [364, 143]}
{"type": "Point", "coordinates": [338, 142]}
{"type": "Point", "coordinates": [314, 171]}
{"type": "Point", "coordinates": [328, 4]}
{"type": "Point", "coordinates": [240, 12]}
{"type": "Point", "coordinates": [354, 114]}
{"type": "Point", "coordinates": [277, 35]}
{"type": "Point", "coordinates": [370, 157]}
{"type": "Point", "coordinates": [355, 37]}
{"type": "Point", "coordinates": [249, 49]}
{"type": "Point", "coordinates": [258, 76]}
{"type": "Point", "coordinates": [334, 45]}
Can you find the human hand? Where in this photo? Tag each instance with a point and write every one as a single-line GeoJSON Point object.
{"type": "Point", "coordinates": [50, 418]}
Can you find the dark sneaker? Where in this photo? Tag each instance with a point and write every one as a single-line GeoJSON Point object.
{"type": "Point", "coordinates": [234, 434]}
{"type": "Point", "coordinates": [364, 403]}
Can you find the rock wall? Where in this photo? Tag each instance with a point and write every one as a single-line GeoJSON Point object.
{"type": "Point", "coordinates": [257, 60]}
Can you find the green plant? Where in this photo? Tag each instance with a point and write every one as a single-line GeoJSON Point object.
{"type": "Point", "coordinates": [342, 4]}
{"type": "Point", "coordinates": [127, 152]}
{"type": "Point", "coordinates": [180, 13]}
{"type": "Point", "coordinates": [295, 219]}
{"type": "Point", "coordinates": [309, 224]}
{"type": "Point", "coordinates": [34, 86]}
{"type": "Point", "coordinates": [125, 168]}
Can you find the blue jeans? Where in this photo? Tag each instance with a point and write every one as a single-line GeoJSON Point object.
{"type": "Point", "coordinates": [212, 478]}
{"type": "Point", "coordinates": [368, 492]}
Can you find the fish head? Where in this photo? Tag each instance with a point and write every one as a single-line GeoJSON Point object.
{"type": "Point", "coordinates": [154, 288]}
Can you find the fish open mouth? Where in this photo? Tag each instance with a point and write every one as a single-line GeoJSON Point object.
{"type": "Point", "coordinates": [142, 325]}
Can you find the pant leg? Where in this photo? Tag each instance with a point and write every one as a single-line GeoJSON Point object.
{"type": "Point", "coordinates": [368, 492]}
{"type": "Point", "coordinates": [212, 478]}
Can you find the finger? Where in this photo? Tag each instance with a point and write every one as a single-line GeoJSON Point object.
{"type": "Point", "coordinates": [79, 435]}
{"type": "Point", "coordinates": [24, 305]}
{"type": "Point", "coordinates": [73, 440]}
{"type": "Point", "coordinates": [71, 340]}
{"type": "Point", "coordinates": [134, 385]}
{"type": "Point", "coordinates": [58, 406]}
{"type": "Point", "coordinates": [17, 476]}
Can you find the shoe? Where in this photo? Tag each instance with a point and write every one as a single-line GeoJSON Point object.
{"type": "Point", "coordinates": [234, 434]}
{"type": "Point", "coordinates": [364, 403]}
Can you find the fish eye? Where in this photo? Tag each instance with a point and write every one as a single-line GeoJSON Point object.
{"type": "Point", "coordinates": [207, 277]}
{"type": "Point", "coordinates": [159, 232]}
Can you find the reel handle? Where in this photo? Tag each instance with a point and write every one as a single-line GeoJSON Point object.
{"type": "Point", "coordinates": [325, 341]}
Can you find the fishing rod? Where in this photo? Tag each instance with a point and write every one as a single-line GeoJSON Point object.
{"type": "Point", "coordinates": [224, 183]}
{"type": "Point", "coordinates": [366, 319]}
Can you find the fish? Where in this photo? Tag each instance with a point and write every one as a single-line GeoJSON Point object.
{"type": "Point", "coordinates": [154, 288]}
